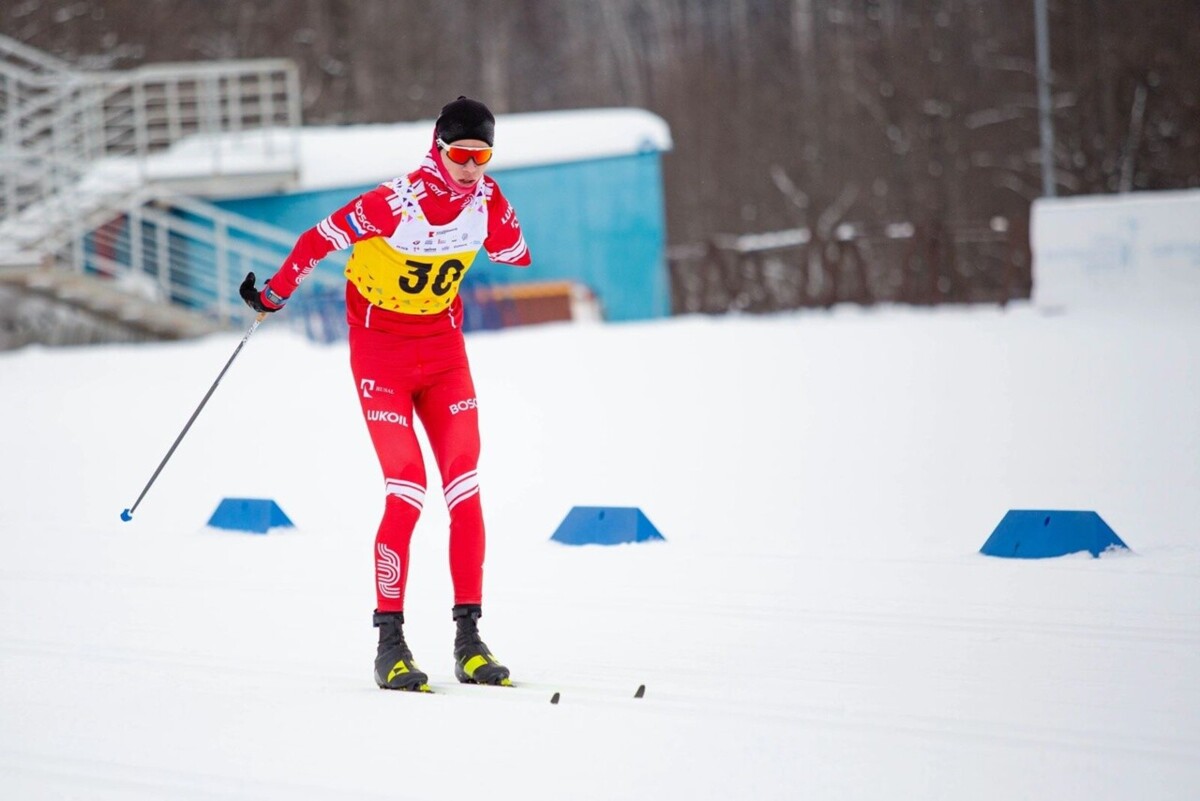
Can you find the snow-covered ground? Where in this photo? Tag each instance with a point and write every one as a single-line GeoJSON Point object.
{"type": "Point", "coordinates": [818, 625]}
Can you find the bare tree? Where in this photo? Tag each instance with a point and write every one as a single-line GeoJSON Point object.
{"type": "Point", "coordinates": [785, 113]}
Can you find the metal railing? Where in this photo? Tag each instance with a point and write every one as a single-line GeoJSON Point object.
{"type": "Point", "coordinates": [80, 152]}
{"type": "Point", "coordinates": [30, 59]}
{"type": "Point", "coordinates": [177, 249]}
{"type": "Point", "coordinates": [56, 123]}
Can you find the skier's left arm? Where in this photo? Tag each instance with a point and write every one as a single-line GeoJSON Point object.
{"type": "Point", "coordinates": [505, 243]}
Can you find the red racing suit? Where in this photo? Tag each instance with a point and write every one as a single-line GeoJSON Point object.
{"type": "Point", "coordinates": [413, 240]}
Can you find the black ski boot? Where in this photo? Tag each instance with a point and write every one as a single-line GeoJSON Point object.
{"type": "Point", "coordinates": [394, 666]}
{"type": "Point", "coordinates": [473, 662]}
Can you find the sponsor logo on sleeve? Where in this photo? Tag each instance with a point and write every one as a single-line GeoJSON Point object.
{"type": "Point", "coordinates": [358, 221]}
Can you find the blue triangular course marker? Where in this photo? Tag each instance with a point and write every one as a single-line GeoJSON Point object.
{"type": "Point", "coordinates": [1037, 534]}
{"type": "Point", "coordinates": [255, 515]}
{"type": "Point", "coordinates": [605, 525]}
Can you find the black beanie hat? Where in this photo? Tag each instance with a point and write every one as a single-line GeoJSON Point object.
{"type": "Point", "coordinates": [465, 119]}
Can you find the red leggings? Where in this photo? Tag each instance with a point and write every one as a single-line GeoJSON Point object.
{"type": "Point", "coordinates": [397, 375]}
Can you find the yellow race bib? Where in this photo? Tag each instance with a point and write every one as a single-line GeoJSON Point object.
{"type": "Point", "coordinates": [418, 268]}
{"type": "Point", "coordinates": [404, 282]}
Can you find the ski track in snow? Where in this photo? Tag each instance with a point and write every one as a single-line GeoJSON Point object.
{"type": "Point", "coordinates": [818, 624]}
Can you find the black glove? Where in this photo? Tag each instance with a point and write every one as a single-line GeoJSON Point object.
{"type": "Point", "coordinates": [265, 301]}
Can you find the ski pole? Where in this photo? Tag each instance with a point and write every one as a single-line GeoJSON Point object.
{"type": "Point", "coordinates": [127, 515]}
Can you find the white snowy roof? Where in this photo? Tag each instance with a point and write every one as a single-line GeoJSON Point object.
{"type": "Point", "coordinates": [358, 154]}
{"type": "Point", "coordinates": [350, 155]}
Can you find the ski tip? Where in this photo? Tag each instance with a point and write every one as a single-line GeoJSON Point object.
{"type": "Point", "coordinates": [554, 698]}
{"type": "Point", "coordinates": [505, 682]}
{"type": "Point", "coordinates": [641, 691]}
{"type": "Point", "coordinates": [126, 516]}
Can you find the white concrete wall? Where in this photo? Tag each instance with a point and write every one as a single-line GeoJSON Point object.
{"type": "Point", "coordinates": [1111, 251]}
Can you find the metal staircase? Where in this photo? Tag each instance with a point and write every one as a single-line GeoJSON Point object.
{"type": "Point", "coordinates": [101, 175]}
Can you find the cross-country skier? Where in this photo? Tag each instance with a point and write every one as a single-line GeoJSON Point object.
{"type": "Point", "coordinates": [413, 240]}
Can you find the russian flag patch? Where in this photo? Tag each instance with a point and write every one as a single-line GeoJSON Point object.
{"type": "Point", "coordinates": [354, 224]}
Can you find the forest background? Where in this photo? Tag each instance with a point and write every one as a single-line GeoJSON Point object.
{"type": "Point", "coordinates": [889, 148]}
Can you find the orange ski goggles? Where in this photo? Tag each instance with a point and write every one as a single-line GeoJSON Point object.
{"type": "Point", "coordinates": [461, 155]}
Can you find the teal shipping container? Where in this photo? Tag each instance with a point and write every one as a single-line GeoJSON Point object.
{"type": "Point", "coordinates": [587, 187]}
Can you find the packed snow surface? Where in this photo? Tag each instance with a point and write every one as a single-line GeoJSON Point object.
{"type": "Point", "coordinates": [819, 623]}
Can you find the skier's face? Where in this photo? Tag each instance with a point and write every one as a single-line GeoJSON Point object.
{"type": "Point", "coordinates": [465, 175]}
